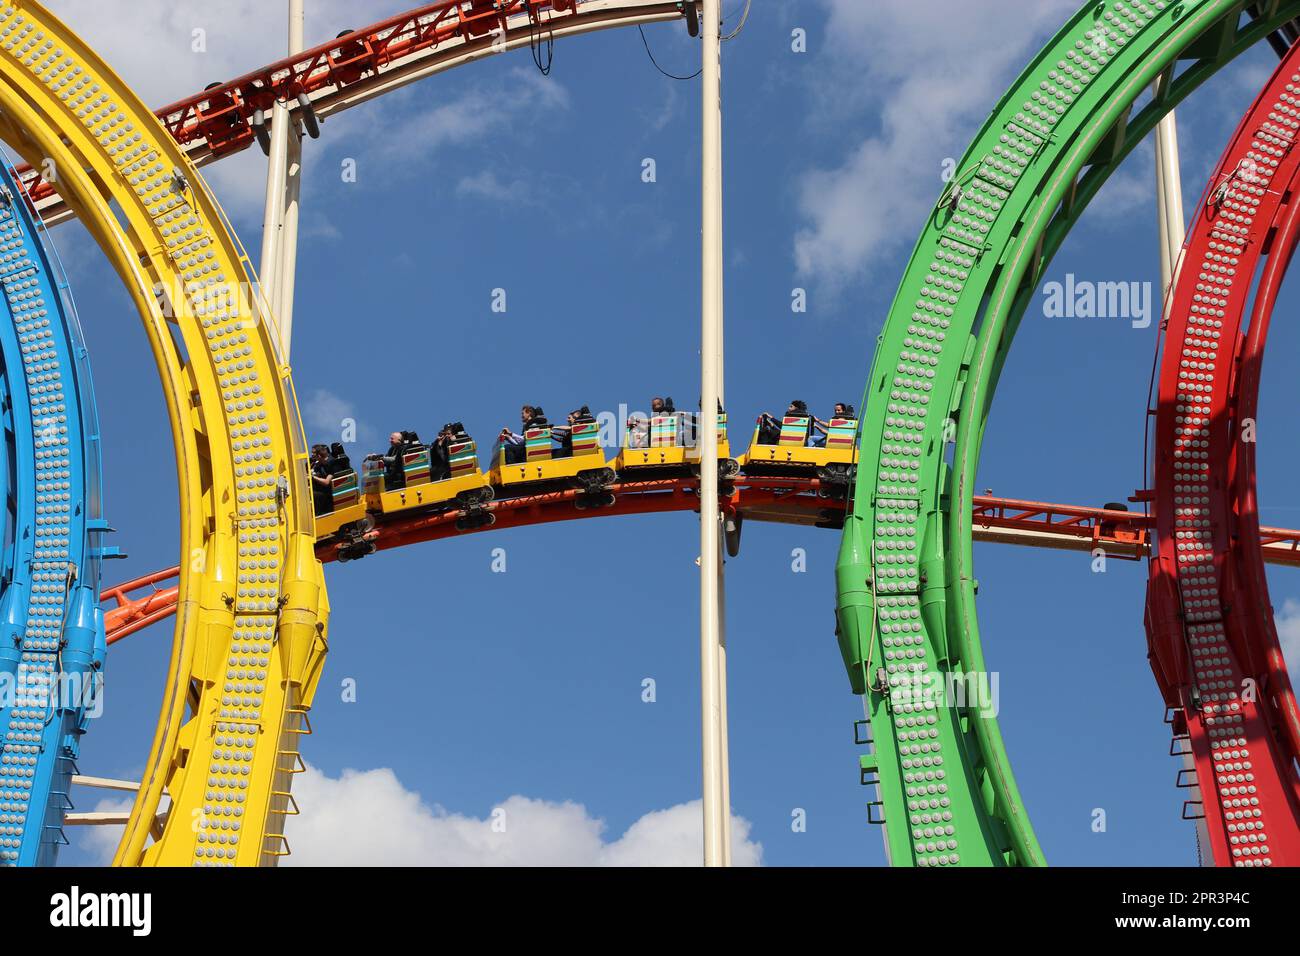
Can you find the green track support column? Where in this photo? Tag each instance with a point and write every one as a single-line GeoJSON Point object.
{"type": "Point", "coordinates": [906, 620]}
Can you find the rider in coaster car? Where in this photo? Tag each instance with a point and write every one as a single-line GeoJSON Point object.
{"type": "Point", "coordinates": [440, 450]}
{"type": "Point", "coordinates": [842, 410]}
{"type": "Point", "coordinates": [691, 423]}
{"type": "Point", "coordinates": [531, 416]}
{"type": "Point", "coordinates": [394, 473]}
{"type": "Point", "coordinates": [564, 433]}
{"type": "Point", "coordinates": [640, 427]}
{"type": "Point", "coordinates": [769, 426]}
{"type": "Point", "coordinates": [339, 462]}
{"type": "Point", "coordinates": [322, 489]}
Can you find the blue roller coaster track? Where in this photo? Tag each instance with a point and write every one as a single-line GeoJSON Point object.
{"type": "Point", "coordinates": [52, 645]}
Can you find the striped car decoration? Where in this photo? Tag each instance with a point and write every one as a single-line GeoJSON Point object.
{"type": "Point", "coordinates": [415, 465]}
{"type": "Point", "coordinates": [840, 433]}
{"type": "Point", "coordinates": [537, 444]}
{"type": "Point", "coordinates": [372, 474]}
{"type": "Point", "coordinates": [463, 458]}
{"type": "Point", "coordinates": [344, 489]}
{"type": "Point", "coordinates": [586, 439]}
{"type": "Point", "coordinates": [794, 430]}
{"type": "Point", "coordinates": [663, 431]}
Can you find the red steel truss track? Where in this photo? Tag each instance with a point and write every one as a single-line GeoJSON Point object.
{"type": "Point", "coordinates": [365, 63]}
{"type": "Point", "coordinates": [1210, 633]}
{"type": "Point", "coordinates": [1120, 534]}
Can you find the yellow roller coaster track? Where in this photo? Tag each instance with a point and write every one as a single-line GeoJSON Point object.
{"type": "Point", "coordinates": [250, 630]}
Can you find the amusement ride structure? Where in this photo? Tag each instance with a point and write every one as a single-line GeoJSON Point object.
{"type": "Point", "coordinates": [248, 594]}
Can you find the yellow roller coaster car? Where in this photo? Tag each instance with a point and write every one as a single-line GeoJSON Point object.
{"type": "Point", "coordinates": [466, 487]}
{"type": "Point", "coordinates": [349, 505]}
{"type": "Point", "coordinates": [669, 447]}
{"type": "Point", "coordinates": [793, 456]}
{"type": "Point", "coordinates": [541, 470]}
{"type": "Point", "coordinates": [728, 467]}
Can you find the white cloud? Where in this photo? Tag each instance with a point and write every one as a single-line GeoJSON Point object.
{"type": "Point", "coordinates": [538, 90]}
{"type": "Point", "coordinates": [675, 837]}
{"type": "Point", "coordinates": [400, 138]}
{"type": "Point", "coordinates": [324, 414]}
{"type": "Point", "coordinates": [487, 185]}
{"type": "Point", "coordinates": [933, 72]}
{"type": "Point", "coordinates": [668, 111]}
{"type": "Point", "coordinates": [239, 184]}
{"type": "Point", "coordinates": [316, 225]}
{"type": "Point", "coordinates": [101, 842]}
{"type": "Point", "coordinates": [367, 818]}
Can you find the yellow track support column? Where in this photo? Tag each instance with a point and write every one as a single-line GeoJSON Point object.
{"type": "Point", "coordinates": [250, 630]}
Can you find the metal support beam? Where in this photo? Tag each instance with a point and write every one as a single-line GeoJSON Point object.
{"type": "Point", "coordinates": [288, 266]}
{"type": "Point", "coordinates": [106, 783]}
{"type": "Point", "coordinates": [724, 744]}
{"type": "Point", "coordinates": [715, 812]}
{"type": "Point", "coordinates": [97, 818]}
{"type": "Point", "coordinates": [273, 216]}
{"type": "Point", "coordinates": [1169, 193]}
{"type": "Point", "coordinates": [274, 263]}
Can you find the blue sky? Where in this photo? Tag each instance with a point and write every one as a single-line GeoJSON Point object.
{"type": "Point", "coordinates": [522, 690]}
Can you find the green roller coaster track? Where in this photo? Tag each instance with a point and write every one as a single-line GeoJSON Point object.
{"type": "Point", "coordinates": [906, 611]}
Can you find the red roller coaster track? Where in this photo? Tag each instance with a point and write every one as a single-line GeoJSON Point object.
{"type": "Point", "coordinates": [1120, 534]}
{"type": "Point", "coordinates": [1209, 623]}
{"type": "Point", "coordinates": [352, 69]}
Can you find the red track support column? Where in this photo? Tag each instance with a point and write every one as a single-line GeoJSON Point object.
{"type": "Point", "coordinates": [1209, 627]}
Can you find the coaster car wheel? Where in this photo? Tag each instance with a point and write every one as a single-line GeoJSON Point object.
{"type": "Point", "coordinates": [355, 550]}
{"type": "Point", "coordinates": [475, 497]}
{"type": "Point", "coordinates": [473, 522]}
{"type": "Point", "coordinates": [596, 480]}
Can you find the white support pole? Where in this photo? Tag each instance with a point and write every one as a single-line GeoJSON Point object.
{"type": "Point", "coordinates": [1162, 224]}
{"type": "Point", "coordinates": [724, 745]}
{"type": "Point", "coordinates": [1169, 195]}
{"type": "Point", "coordinates": [715, 813]}
{"type": "Point", "coordinates": [288, 265]}
{"type": "Point", "coordinates": [273, 216]}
